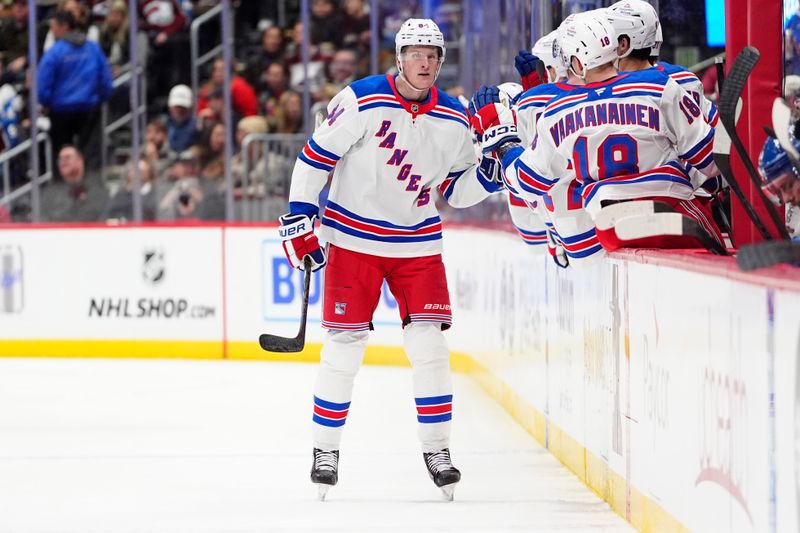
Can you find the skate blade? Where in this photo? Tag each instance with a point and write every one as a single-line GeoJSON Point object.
{"type": "Point", "coordinates": [448, 491]}
{"type": "Point", "coordinates": [322, 491]}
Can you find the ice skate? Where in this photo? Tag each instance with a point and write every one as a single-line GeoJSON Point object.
{"type": "Point", "coordinates": [325, 471]}
{"type": "Point", "coordinates": [442, 472]}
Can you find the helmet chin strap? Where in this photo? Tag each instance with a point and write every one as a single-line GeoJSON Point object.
{"type": "Point", "coordinates": [403, 76]}
{"type": "Point", "coordinates": [581, 77]}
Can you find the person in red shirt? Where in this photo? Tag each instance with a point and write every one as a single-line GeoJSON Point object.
{"type": "Point", "coordinates": [243, 96]}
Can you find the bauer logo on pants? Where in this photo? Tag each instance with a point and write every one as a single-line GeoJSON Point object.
{"type": "Point", "coordinates": [11, 290]}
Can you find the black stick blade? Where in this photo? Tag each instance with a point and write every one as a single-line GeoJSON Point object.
{"type": "Point", "coordinates": [274, 343]}
{"type": "Point", "coordinates": [743, 65]}
{"type": "Point", "coordinates": [767, 254]}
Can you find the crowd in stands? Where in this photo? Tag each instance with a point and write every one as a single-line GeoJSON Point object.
{"type": "Point", "coordinates": [84, 44]}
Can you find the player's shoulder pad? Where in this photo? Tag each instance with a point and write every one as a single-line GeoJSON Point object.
{"type": "Point", "coordinates": [677, 72]}
{"type": "Point", "coordinates": [538, 96]}
{"type": "Point", "coordinates": [450, 102]}
{"type": "Point", "coordinates": [372, 86]}
{"type": "Point", "coordinates": [650, 75]}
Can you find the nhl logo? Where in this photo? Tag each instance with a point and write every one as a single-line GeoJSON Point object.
{"type": "Point", "coordinates": [340, 308]}
{"type": "Point", "coordinates": [153, 269]}
{"type": "Point", "coordinates": [414, 108]}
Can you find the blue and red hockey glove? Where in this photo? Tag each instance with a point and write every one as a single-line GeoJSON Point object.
{"type": "Point", "coordinates": [297, 233]}
{"type": "Point", "coordinates": [525, 63]}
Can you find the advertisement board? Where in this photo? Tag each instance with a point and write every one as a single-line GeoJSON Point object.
{"type": "Point", "coordinates": [670, 389]}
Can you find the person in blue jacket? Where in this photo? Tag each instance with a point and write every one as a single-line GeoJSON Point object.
{"type": "Point", "coordinates": [74, 79]}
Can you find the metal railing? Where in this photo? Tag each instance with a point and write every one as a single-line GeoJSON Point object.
{"type": "Point", "coordinates": [20, 149]}
{"type": "Point", "coordinates": [267, 163]}
{"type": "Point", "coordinates": [194, 41]}
{"type": "Point", "coordinates": [107, 129]}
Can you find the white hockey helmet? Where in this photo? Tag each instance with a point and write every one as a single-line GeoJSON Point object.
{"type": "Point", "coordinates": [655, 50]}
{"type": "Point", "coordinates": [590, 38]}
{"type": "Point", "coordinates": [419, 32]}
{"type": "Point", "coordinates": [635, 19]}
{"type": "Point", "coordinates": [548, 50]}
{"type": "Point", "coordinates": [508, 91]}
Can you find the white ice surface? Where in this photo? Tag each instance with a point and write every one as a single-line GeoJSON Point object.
{"type": "Point", "coordinates": [89, 446]}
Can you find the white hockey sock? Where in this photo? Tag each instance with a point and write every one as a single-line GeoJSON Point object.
{"type": "Point", "coordinates": [427, 350]}
{"type": "Point", "coordinates": [341, 357]}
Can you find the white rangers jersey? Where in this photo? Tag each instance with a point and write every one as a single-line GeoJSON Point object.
{"type": "Point", "coordinates": [623, 138]}
{"type": "Point", "coordinates": [559, 211]}
{"type": "Point", "coordinates": [692, 85]}
{"type": "Point", "coordinates": [389, 156]}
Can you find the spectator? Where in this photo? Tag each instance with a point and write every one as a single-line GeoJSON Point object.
{"type": "Point", "coordinates": [276, 83]}
{"type": "Point", "coordinates": [214, 110]}
{"type": "Point", "coordinates": [82, 23]}
{"type": "Point", "coordinates": [78, 198]}
{"type": "Point", "coordinates": [243, 96]}
{"type": "Point", "coordinates": [114, 35]}
{"type": "Point", "coordinates": [212, 152]}
{"type": "Point", "coordinates": [74, 80]}
{"type": "Point", "coordinates": [319, 56]}
{"type": "Point", "coordinates": [355, 26]}
{"type": "Point", "coordinates": [253, 183]}
{"type": "Point", "coordinates": [182, 200]}
{"type": "Point", "coordinates": [14, 39]}
{"type": "Point", "coordinates": [289, 115]}
{"type": "Point", "coordinates": [120, 207]}
{"type": "Point", "coordinates": [273, 49]}
{"type": "Point", "coordinates": [341, 73]}
{"type": "Point", "coordinates": [182, 129]}
{"type": "Point", "coordinates": [169, 61]}
{"type": "Point", "coordinates": [325, 24]}
{"type": "Point", "coordinates": [156, 149]}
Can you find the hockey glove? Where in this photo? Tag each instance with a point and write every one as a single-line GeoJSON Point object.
{"type": "Point", "coordinates": [525, 63]}
{"type": "Point", "coordinates": [557, 250]}
{"type": "Point", "coordinates": [490, 173]}
{"type": "Point", "coordinates": [493, 122]}
{"type": "Point", "coordinates": [297, 233]}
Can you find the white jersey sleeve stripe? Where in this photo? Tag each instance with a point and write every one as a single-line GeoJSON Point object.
{"type": "Point", "coordinates": [671, 172]}
{"type": "Point", "coordinates": [564, 103]}
{"type": "Point", "coordinates": [339, 218]}
{"type": "Point", "coordinates": [700, 155]}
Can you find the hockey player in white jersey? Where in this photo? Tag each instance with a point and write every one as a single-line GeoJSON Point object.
{"type": "Point", "coordinates": [639, 36]}
{"type": "Point", "coordinates": [623, 135]}
{"type": "Point", "coordinates": [639, 33]}
{"type": "Point", "coordinates": [392, 143]}
{"type": "Point", "coordinates": [558, 217]}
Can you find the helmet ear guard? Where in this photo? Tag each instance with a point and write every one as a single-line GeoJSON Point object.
{"type": "Point", "coordinates": [637, 20]}
{"type": "Point", "coordinates": [548, 51]}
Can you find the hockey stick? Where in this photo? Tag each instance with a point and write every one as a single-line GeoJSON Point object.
{"type": "Point", "coordinates": [609, 215]}
{"type": "Point", "coordinates": [719, 64]}
{"type": "Point", "coordinates": [767, 254]}
{"type": "Point", "coordinates": [728, 103]}
{"type": "Point", "coordinates": [662, 224]}
{"type": "Point", "coordinates": [722, 158]}
{"type": "Point", "coordinates": [274, 343]}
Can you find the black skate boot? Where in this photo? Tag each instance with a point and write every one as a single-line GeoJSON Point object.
{"type": "Point", "coordinates": [442, 471]}
{"type": "Point", "coordinates": [325, 470]}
